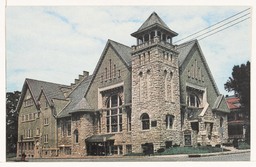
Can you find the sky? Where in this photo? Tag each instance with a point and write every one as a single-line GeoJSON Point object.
{"type": "Point", "coordinates": [57, 43]}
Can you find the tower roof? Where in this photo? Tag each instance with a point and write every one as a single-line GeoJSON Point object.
{"type": "Point", "coordinates": [154, 21]}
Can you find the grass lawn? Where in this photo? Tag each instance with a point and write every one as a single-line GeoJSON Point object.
{"type": "Point", "coordinates": [190, 150]}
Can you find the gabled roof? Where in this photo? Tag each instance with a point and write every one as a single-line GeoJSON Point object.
{"type": "Point", "coordinates": [184, 50]}
{"type": "Point", "coordinates": [122, 51]}
{"type": "Point", "coordinates": [217, 102]}
{"type": "Point", "coordinates": [83, 105]}
{"type": "Point", "coordinates": [152, 21]}
{"type": "Point", "coordinates": [50, 90]}
{"type": "Point", "coordinates": [75, 97]}
{"type": "Point", "coordinates": [218, 105]}
{"type": "Point", "coordinates": [233, 102]}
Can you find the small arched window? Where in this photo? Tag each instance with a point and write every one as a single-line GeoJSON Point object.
{"type": "Point", "coordinates": [221, 122]}
{"type": "Point", "coordinates": [145, 121]}
{"type": "Point", "coordinates": [76, 136]}
{"type": "Point", "coordinates": [169, 121]}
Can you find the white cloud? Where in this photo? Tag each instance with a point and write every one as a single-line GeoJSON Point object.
{"type": "Point", "coordinates": [58, 43]}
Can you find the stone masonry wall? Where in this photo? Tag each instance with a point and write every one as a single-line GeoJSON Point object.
{"type": "Point", "coordinates": [149, 96]}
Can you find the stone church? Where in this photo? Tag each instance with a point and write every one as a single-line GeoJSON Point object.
{"type": "Point", "coordinates": [153, 95]}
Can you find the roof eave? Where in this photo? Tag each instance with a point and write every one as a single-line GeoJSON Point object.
{"type": "Point", "coordinates": [82, 110]}
{"type": "Point", "coordinates": [173, 33]}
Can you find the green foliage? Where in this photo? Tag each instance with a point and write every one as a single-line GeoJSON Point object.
{"type": "Point", "coordinates": [240, 84]}
{"type": "Point", "coordinates": [12, 99]}
{"type": "Point", "coordinates": [243, 145]}
{"type": "Point", "coordinates": [190, 150]}
{"type": "Point", "coordinates": [135, 154]}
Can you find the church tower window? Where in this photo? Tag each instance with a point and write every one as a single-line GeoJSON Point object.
{"type": "Point", "coordinates": [145, 121]}
{"type": "Point", "coordinates": [169, 121]}
{"type": "Point", "coordinates": [166, 85]}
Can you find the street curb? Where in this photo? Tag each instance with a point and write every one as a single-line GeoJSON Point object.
{"type": "Point", "coordinates": [215, 154]}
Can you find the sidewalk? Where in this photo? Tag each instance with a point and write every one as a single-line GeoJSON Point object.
{"type": "Point", "coordinates": [232, 151]}
{"type": "Point", "coordinates": [124, 158]}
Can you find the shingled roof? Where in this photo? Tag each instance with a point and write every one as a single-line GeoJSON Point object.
{"type": "Point", "coordinates": [82, 106]}
{"type": "Point", "coordinates": [51, 90]}
{"type": "Point", "coordinates": [75, 97]}
{"type": "Point", "coordinates": [123, 51]}
{"type": "Point", "coordinates": [184, 50]}
{"type": "Point", "coordinates": [152, 21]}
{"type": "Point", "coordinates": [233, 102]}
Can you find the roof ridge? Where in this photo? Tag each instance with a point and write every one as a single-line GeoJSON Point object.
{"type": "Point", "coordinates": [190, 41]}
{"type": "Point", "coordinates": [86, 78]}
{"type": "Point", "coordinates": [46, 82]}
{"type": "Point", "coordinates": [110, 40]}
{"type": "Point", "coordinates": [155, 20]}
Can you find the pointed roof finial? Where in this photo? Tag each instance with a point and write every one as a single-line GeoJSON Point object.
{"type": "Point", "coordinates": [152, 21]}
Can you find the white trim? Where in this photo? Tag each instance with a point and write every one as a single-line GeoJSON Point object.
{"type": "Point", "coordinates": [106, 88]}
{"type": "Point", "coordinates": [111, 87]}
{"type": "Point", "coordinates": [204, 110]}
{"type": "Point", "coordinates": [195, 86]}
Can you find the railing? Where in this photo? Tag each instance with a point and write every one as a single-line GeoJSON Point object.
{"type": "Point", "coordinates": [151, 42]}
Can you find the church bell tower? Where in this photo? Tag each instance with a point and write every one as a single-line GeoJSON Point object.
{"type": "Point", "coordinates": [156, 120]}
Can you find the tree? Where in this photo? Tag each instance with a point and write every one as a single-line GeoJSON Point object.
{"type": "Point", "coordinates": [12, 99]}
{"type": "Point", "coordinates": [240, 84]}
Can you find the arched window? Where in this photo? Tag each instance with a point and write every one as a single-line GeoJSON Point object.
{"type": "Point", "coordinates": [171, 80]}
{"type": "Point", "coordinates": [76, 136]}
{"type": "Point", "coordinates": [193, 100]}
{"type": "Point", "coordinates": [145, 121]}
{"type": "Point", "coordinates": [140, 86]}
{"type": "Point", "coordinates": [221, 122]}
{"type": "Point", "coordinates": [169, 121]}
{"type": "Point", "coordinates": [165, 85]}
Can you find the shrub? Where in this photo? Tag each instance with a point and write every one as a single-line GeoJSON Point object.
{"type": "Point", "coordinates": [229, 144]}
{"type": "Point", "coordinates": [190, 150]}
{"type": "Point", "coordinates": [243, 145]}
{"type": "Point", "coordinates": [176, 145]}
{"type": "Point", "coordinates": [160, 150]}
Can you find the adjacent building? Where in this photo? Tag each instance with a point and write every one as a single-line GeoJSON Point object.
{"type": "Point", "coordinates": [237, 120]}
{"type": "Point", "coordinates": [151, 95]}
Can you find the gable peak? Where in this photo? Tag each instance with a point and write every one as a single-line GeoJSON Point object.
{"type": "Point", "coordinates": [153, 19]}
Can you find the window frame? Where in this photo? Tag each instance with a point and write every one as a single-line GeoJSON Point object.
{"type": "Point", "coordinates": [69, 128]}
{"type": "Point", "coordinates": [76, 136]}
{"type": "Point", "coordinates": [145, 121]}
{"type": "Point", "coordinates": [114, 113]}
{"type": "Point", "coordinates": [169, 121]}
{"type": "Point", "coordinates": [46, 121]}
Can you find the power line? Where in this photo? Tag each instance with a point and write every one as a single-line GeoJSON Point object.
{"type": "Point", "coordinates": [222, 25]}
{"type": "Point", "coordinates": [211, 25]}
{"type": "Point", "coordinates": [123, 69]}
{"type": "Point", "coordinates": [224, 28]}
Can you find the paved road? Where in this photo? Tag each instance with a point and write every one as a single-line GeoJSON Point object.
{"type": "Point", "coordinates": [229, 157]}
